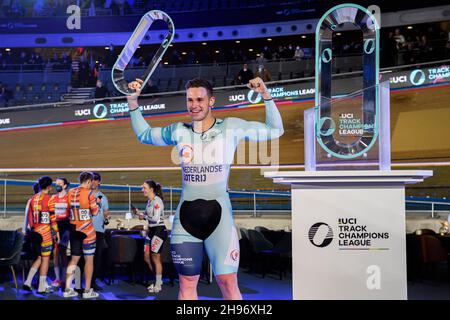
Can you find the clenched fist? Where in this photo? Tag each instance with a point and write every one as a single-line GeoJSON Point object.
{"type": "Point", "coordinates": [258, 85]}
{"type": "Point", "coordinates": [132, 99]}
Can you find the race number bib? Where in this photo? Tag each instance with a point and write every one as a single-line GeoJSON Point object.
{"type": "Point", "coordinates": [84, 214]}
{"type": "Point", "coordinates": [60, 209]}
{"type": "Point", "coordinates": [45, 217]}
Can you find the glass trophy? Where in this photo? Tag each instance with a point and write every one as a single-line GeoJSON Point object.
{"type": "Point", "coordinates": [117, 72]}
{"type": "Point", "coordinates": [349, 131]}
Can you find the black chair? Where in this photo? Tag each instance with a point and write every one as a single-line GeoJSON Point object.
{"type": "Point", "coordinates": [30, 251]}
{"type": "Point", "coordinates": [425, 231]}
{"type": "Point", "coordinates": [122, 252]}
{"type": "Point", "coordinates": [280, 256]}
{"type": "Point", "coordinates": [11, 243]}
{"type": "Point", "coordinates": [432, 253]}
{"type": "Point", "coordinates": [139, 227]}
{"type": "Point", "coordinates": [273, 236]}
{"type": "Point", "coordinates": [258, 243]}
{"type": "Point", "coordinates": [261, 228]}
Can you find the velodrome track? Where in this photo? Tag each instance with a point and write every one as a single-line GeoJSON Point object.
{"type": "Point", "coordinates": [420, 132]}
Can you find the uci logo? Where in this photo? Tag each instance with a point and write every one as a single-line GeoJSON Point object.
{"type": "Point", "coordinates": [417, 77]}
{"type": "Point", "coordinates": [100, 111]}
{"type": "Point", "coordinates": [237, 97]}
{"type": "Point", "coordinates": [5, 121]}
{"type": "Point", "coordinates": [252, 99]}
{"type": "Point", "coordinates": [320, 234]}
{"type": "Point", "coordinates": [400, 79]}
{"type": "Point", "coordinates": [82, 112]}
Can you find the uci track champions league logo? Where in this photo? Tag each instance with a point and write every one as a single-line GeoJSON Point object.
{"type": "Point", "coordinates": [100, 111]}
{"type": "Point", "coordinates": [351, 235]}
{"type": "Point", "coordinates": [433, 75]}
{"type": "Point", "coordinates": [320, 234]}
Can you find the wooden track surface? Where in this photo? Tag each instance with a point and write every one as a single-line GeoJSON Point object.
{"type": "Point", "coordinates": [420, 131]}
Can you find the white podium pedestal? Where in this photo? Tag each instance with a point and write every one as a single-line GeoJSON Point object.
{"type": "Point", "coordinates": [348, 232]}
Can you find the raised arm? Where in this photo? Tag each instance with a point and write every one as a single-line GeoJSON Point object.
{"type": "Point", "coordinates": [272, 128]}
{"type": "Point", "coordinates": [158, 136]}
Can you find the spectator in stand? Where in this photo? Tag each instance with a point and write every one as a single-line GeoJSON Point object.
{"type": "Point", "coordinates": [279, 54]}
{"type": "Point", "coordinates": [110, 58]}
{"type": "Point", "coordinates": [95, 72]}
{"type": "Point", "coordinates": [261, 60]}
{"type": "Point", "coordinates": [23, 58]}
{"type": "Point", "coordinates": [75, 71]}
{"type": "Point", "coordinates": [134, 61]}
{"type": "Point", "coordinates": [400, 39]}
{"type": "Point", "coordinates": [16, 10]}
{"type": "Point", "coordinates": [61, 7]}
{"type": "Point", "coordinates": [267, 52]}
{"type": "Point", "coordinates": [100, 90]}
{"type": "Point", "coordinates": [263, 73]}
{"type": "Point", "coordinates": [141, 62]}
{"type": "Point", "coordinates": [299, 54]}
{"type": "Point", "coordinates": [410, 56]}
{"type": "Point", "coordinates": [120, 7]}
{"type": "Point", "coordinates": [191, 58]}
{"type": "Point", "coordinates": [48, 65]}
{"type": "Point", "coordinates": [92, 9]}
{"type": "Point", "coordinates": [37, 8]}
{"type": "Point", "coordinates": [39, 62]}
{"type": "Point", "coordinates": [244, 75]}
{"type": "Point", "coordinates": [150, 87]}
{"type": "Point", "coordinates": [66, 61]}
{"type": "Point", "coordinates": [84, 72]}
{"type": "Point", "coordinates": [390, 51]}
{"type": "Point", "coordinates": [175, 59]}
{"type": "Point", "coordinates": [425, 49]}
{"type": "Point", "coordinates": [57, 63]}
{"type": "Point", "coordinates": [290, 51]}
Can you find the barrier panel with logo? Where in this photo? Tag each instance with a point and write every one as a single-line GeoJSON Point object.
{"type": "Point", "coordinates": [292, 91]}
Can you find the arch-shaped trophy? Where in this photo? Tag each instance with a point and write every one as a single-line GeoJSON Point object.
{"type": "Point", "coordinates": [344, 130]}
{"type": "Point", "coordinates": [117, 72]}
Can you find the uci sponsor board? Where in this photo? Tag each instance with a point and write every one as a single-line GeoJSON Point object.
{"type": "Point", "coordinates": [153, 105]}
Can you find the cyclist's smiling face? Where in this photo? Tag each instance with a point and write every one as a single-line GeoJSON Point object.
{"type": "Point", "coordinates": [199, 103]}
{"type": "Point", "coordinates": [147, 191]}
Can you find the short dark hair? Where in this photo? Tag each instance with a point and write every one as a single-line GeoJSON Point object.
{"type": "Point", "coordinates": [97, 176]}
{"type": "Point", "coordinates": [200, 83]}
{"type": "Point", "coordinates": [44, 182]}
{"type": "Point", "coordinates": [85, 176]}
{"type": "Point", "coordinates": [66, 182]}
{"type": "Point", "coordinates": [35, 187]}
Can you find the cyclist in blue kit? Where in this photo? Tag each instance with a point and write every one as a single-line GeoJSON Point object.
{"type": "Point", "coordinates": [206, 148]}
